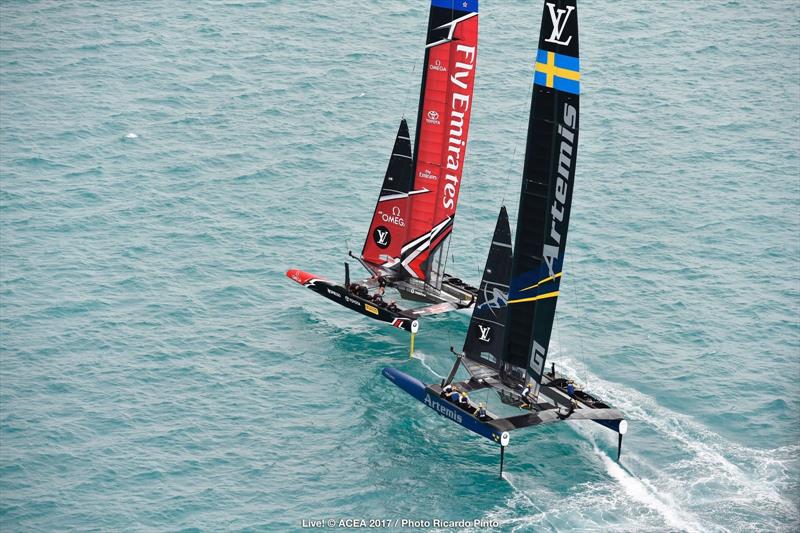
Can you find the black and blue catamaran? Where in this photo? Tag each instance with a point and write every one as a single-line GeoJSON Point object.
{"type": "Point", "coordinates": [509, 334]}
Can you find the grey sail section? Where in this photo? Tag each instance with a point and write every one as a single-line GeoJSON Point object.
{"type": "Point", "coordinates": [486, 334]}
{"type": "Point", "coordinates": [546, 196]}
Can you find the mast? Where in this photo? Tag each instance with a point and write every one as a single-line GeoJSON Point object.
{"type": "Point", "coordinates": [486, 333]}
{"type": "Point", "coordinates": [440, 142]}
{"type": "Point", "coordinates": [546, 196]}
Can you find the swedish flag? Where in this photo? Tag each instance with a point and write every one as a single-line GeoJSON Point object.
{"type": "Point", "coordinates": [558, 71]}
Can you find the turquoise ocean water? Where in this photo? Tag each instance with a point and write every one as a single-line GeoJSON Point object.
{"type": "Point", "coordinates": [159, 371]}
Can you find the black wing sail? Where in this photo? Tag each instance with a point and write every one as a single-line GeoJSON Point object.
{"type": "Point", "coordinates": [486, 334]}
{"type": "Point", "coordinates": [398, 174]}
{"type": "Point", "coordinates": [546, 195]}
{"type": "Point", "coordinates": [387, 230]}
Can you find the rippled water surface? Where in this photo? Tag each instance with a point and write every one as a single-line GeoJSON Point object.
{"type": "Point", "coordinates": [164, 163]}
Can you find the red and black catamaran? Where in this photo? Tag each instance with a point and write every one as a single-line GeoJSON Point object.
{"type": "Point", "coordinates": [507, 342]}
{"type": "Point", "coordinates": [405, 247]}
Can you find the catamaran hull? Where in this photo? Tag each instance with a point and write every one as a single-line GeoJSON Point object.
{"type": "Point", "coordinates": [429, 397]}
{"type": "Point", "coordinates": [342, 296]}
{"type": "Point", "coordinates": [498, 429]}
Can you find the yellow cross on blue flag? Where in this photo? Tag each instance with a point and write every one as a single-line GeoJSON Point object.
{"type": "Point", "coordinates": [557, 71]}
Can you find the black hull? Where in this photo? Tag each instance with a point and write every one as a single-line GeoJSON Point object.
{"type": "Point", "coordinates": [342, 296]}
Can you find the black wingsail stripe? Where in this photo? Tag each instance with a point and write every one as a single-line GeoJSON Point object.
{"type": "Point", "coordinates": [413, 244]}
{"type": "Point", "coordinates": [437, 230]}
{"type": "Point", "coordinates": [427, 238]}
{"type": "Point", "coordinates": [450, 27]}
{"type": "Point", "coordinates": [546, 195]}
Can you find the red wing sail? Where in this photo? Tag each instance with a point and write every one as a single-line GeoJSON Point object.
{"type": "Point", "coordinates": [442, 128]}
{"type": "Point", "coordinates": [387, 232]}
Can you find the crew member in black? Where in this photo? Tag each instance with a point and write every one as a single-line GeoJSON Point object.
{"type": "Point", "coordinates": [381, 285]}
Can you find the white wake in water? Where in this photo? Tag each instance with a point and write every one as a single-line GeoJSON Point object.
{"type": "Point", "coordinates": [722, 476]}
{"type": "Point", "coordinates": [646, 494]}
{"type": "Point", "coordinates": [420, 356]}
{"type": "Point", "coordinates": [712, 482]}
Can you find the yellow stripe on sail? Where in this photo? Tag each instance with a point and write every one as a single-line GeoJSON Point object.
{"type": "Point", "coordinates": [545, 280]}
{"type": "Point", "coordinates": [533, 298]}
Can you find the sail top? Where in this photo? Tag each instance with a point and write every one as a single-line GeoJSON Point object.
{"type": "Point", "coordinates": [460, 5]}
